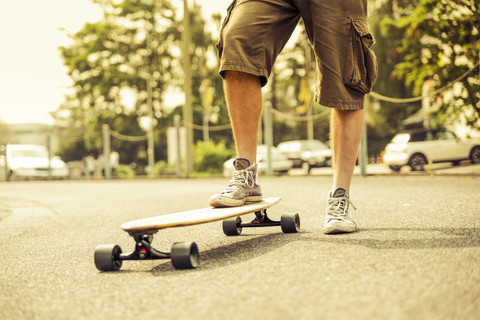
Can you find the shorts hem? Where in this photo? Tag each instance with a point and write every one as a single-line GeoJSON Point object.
{"type": "Point", "coordinates": [232, 66]}
{"type": "Point", "coordinates": [340, 104]}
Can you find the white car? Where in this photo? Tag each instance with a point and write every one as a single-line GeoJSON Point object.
{"type": "Point", "coordinates": [31, 161]}
{"type": "Point", "coordinates": [416, 148]}
{"type": "Point", "coordinates": [280, 163]}
{"type": "Point", "coordinates": [307, 154]}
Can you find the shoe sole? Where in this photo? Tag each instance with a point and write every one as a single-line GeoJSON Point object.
{"type": "Point", "coordinates": [222, 202]}
{"type": "Point", "coordinates": [335, 228]}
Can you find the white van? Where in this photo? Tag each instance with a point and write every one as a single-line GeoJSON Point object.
{"type": "Point", "coordinates": [31, 161]}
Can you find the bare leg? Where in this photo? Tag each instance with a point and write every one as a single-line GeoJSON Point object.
{"type": "Point", "coordinates": [346, 132]}
{"type": "Point", "coordinates": [244, 100]}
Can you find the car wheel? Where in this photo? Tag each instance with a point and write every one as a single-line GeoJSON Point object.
{"type": "Point", "coordinates": [475, 154]}
{"type": "Point", "coordinates": [417, 162]}
{"type": "Point", "coordinates": [306, 167]}
{"type": "Point", "coordinates": [395, 168]}
{"type": "Point", "coordinates": [281, 172]}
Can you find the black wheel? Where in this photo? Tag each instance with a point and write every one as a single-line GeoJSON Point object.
{"type": "Point", "coordinates": [185, 255]}
{"type": "Point", "coordinates": [231, 227]}
{"type": "Point", "coordinates": [290, 223]}
{"type": "Point", "coordinates": [107, 257]}
{"type": "Point", "coordinates": [395, 168]}
{"type": "Point", "coordinates": [475, 154]}
{"type": "Point", "coordinates": [417, 162]}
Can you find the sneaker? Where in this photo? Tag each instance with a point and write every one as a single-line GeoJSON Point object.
{"type": "Point", "coordinates": [336, 220]}
{"type": "Point", "coordinates": [242, 188]}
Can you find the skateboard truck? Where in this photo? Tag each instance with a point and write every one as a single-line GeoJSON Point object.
{"type": "Point", "coordinates": [290, 223]}
{"type": "Point", "coordinates": [184, 255]}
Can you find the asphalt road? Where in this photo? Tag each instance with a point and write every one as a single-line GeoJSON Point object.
{"type": "Point", "coordinates": [416, 255]}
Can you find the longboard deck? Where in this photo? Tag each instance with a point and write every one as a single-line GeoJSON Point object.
{"type": "Point", "coordinates": [193, 217]}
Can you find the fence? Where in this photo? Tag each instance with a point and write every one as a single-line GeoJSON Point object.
{"type": "Point", "coordinates": [107, 133]}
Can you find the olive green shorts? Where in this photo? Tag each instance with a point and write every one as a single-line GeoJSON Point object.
{"type": "Point", "coordinates": [254, 32]}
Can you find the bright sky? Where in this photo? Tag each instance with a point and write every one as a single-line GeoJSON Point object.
{"type": "Point", "coordinates": [33, 80]}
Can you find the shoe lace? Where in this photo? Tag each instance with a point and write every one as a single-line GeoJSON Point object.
{"type": "Point", "coordinates": [240, 180]}
{"type": "Point", "coordinates": [338, 207]}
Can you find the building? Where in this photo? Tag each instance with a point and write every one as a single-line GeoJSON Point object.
{"type": "Point", "coordinates": [34, 133]}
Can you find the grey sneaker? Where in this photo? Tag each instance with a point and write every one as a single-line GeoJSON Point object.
{"type": "Point", "coordinates": [242, 188]}
{"type": "Point", "coordinates": [336, 220]}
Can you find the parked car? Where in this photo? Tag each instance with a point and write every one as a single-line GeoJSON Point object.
{"type": "Point", "coordinates": [280, 163]}
{"type": "Point", "coordinates": [31, 161]}
{"type": "Point", "coordinates": [307, 154]}
{"type": "Point", "coordinates": [416, 148]}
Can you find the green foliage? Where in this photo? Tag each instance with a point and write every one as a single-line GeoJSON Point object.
{"type": "Point", "coordinates": [441, 41]}
{"type": "Point", "coordinates": [162, 167]}
{"type": "Point", "coordinates": [385, 118]}
{"type": "Point", "coordinates": [125, 171]}
{"type": "Point", "coordinates": [209, 157]}
{"type": "Point", "coordinates": [139, 42]}
{"type": "Point", "coordinates": [135, 43]}
{"type": "Point", "coordinates": [72, 151]}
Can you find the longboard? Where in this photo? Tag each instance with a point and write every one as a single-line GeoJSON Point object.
{"type": "Point", "coordinates": [184, 255]}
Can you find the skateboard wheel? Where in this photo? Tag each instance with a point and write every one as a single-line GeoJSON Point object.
{"type": "Point", "coordinates": [231, 227]}
{"type": "Point", "coordinates": [290, 223]}
{"type": "Point", "coordinates": [107, 257]}
{"type": "Point", "coordinates": [185, 255]}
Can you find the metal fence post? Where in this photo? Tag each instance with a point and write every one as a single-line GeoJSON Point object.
{"type": "Point", "coordinates": [268, 136]}
{"type": "Point", "coordinates": [178, 121]}
{"type": "Point", "coordinates": [106, 150]}
{"type": "Point", "coordinates": [362, 159]}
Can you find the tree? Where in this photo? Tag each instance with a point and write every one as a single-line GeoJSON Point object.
{"type": "Point", "coordinates": [133, 43]}
{"type": "Point", "coordinates": [111, 61]}
{"type": "Point", "coordinates": [5, 133]}
{"type": "Point", "coordinates": [207, 87]}
{"type": "Point", "coordinates": [441, 42]}
{"type": "Point", "coordinates": [385, 118]}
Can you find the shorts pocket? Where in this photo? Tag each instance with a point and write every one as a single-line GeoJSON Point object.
{"type": "Point", "coordinates": [219, 44]}
{"type": "Point", "coordinates": [361, 63]}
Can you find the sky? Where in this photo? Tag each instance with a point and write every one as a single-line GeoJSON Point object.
{"type": "Point", "coordinates": [33, 79]}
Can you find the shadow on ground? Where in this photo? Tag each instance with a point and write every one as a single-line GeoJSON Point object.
{"type": "Point", "coordinates": [408, 238]}
{"type": "Point", "coordinates": [252, 246]}
{"type": "Point", "coordinates": [234, 253]}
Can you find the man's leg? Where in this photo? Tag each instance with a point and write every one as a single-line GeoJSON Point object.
{"type": "Point", "coordinates": [244, 99]}
{"type": "Point", "coordinates": [346, 131]}
{"type": "Point", "coordinates": [252, 35]}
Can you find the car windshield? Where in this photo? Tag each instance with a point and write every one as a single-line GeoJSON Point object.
{"type": "Point", "coordinates": [401, 138]}
{"type": "Point", "coordinates": [290, 146]}
{"type": "Point", "coordinates": [262, 150]}
{"type": "Point", "coordinates": [29, 153]}
{"type": "Point", "coordinates": [446, 135]}
{"type": "Point", "coordinates": [315, 145]}
{"type": "Point", "coordinates": [307, 145]}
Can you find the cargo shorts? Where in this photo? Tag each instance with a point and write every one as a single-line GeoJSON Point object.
{"type": "Point", "coordinates": [254, 32]}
